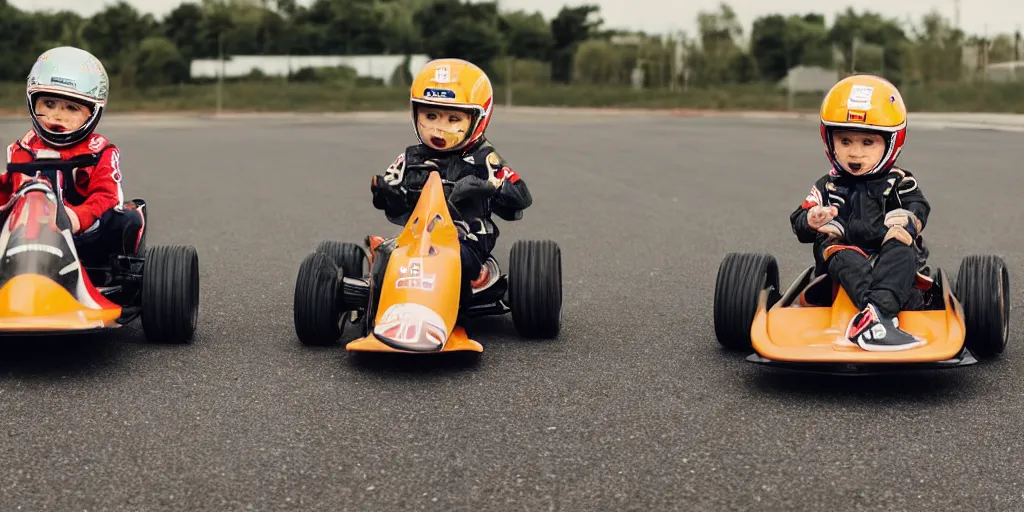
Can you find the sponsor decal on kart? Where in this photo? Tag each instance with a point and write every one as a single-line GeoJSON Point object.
{"type": "Point", "coordinates": [413, 278]}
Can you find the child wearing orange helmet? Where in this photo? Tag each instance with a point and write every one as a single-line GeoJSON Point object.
{"type": "Point", "coordinates": [452, 101]}
{"type": "Point", "coordinates": [865, 217]}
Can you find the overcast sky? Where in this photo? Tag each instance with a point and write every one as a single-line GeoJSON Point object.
{"type": "Point", "coordinates": [995, 16]}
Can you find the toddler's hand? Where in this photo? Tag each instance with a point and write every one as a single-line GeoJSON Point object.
{"type": "Point", "coordinates": [819, 215]}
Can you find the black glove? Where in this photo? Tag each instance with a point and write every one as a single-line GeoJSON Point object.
{"type": "Point", "coordinates": [385, 196]}
{"type": "Point", "coordinates": [471, 186]}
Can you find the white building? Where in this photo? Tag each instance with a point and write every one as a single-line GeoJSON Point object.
{"type": "Point", "coordinates": [810, 79]}
{"type": "Point", "coordinates": [371, 66]}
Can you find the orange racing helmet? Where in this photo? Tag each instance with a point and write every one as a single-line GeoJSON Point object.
{"type": "Point", "coordinates": [454, 84]}
{"type": "Point", "coordinates": [865, 103]}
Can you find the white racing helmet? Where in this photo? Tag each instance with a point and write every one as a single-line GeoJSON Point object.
{"type": "Point", "coordinates": [73, 74]}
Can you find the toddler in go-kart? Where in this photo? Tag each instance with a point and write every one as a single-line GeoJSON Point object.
{"type": "Point", "coordinates": [451, 107]}
{"type": "Point", "coordinates": [67, 92]}
{"type": "Point", "coordinates": [865, 217]}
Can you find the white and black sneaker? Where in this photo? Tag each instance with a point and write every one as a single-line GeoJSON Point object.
{"type": "Point", "coordinates": [870, 331]}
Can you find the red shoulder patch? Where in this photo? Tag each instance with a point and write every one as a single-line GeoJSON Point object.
{"type": "Point", "coordinates": [97, 142]}
{"type": "Point", "coordinates": [508, 174]}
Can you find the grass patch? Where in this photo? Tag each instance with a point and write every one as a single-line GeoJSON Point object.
{"type": "Point", "coordinates": [281, 96]}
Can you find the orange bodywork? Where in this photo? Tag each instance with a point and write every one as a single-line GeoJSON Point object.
{"type": "Point", "coordinates": [31, 302]}
{"type": "Point", "coordinates": [817, 334]}
{"type": "Point", "coordinates": [458, 341]}
{"type": "Point", "coordinates": [419, 299]}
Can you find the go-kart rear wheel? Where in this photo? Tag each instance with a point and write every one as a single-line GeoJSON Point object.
{"type": "Point", "coordinates": [741, 279]}
{"type": "Point", "coordinates": [316, 313]}
{"type": "Point", "coordinates": [983, 289]}
{"type": "Point", "coordinates": [170, 293]}
{"type": "Point", "coordinates": [535, 288]}
{"type": "Point", "coordinates": [350, 257]}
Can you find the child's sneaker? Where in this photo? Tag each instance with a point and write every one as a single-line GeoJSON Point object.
{"type": "Point", "coordinates": [870, 331]}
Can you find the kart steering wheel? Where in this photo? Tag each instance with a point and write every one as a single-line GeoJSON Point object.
{"type": "Point", "coordinates": [447, 185]}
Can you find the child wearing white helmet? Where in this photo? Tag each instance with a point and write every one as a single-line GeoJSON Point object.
{"type": "Point", "coordinates": [67, 93]}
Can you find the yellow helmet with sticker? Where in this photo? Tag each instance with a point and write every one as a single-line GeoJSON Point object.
{"type": "Point", "coordinates": [865, 103]}
{"type": "Point", "coordinates": [452, 101]}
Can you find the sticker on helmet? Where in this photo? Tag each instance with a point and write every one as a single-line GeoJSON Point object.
{"type": "Point", "coordinates": [63, 81]}
{"type": "Point", "coordinates": [860, 97]}
{"type": "Point", "coordinates": [439, 94]}
{"type": "Point", "coordinates": [856, 116]}
{"type": "Point", "coordinates": [443, 74]}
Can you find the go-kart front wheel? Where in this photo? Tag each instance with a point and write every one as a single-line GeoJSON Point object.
{"type": "Point", "coordinates": [741, 279]}
{"type": "Point", "coordinates": [170, 293]}
{"type": "Point", "coordinates": [316, 312]}
{"type": "Point", "coordinates": [983, 289]}
{"type": "Point", "coordinates": [351, 258]}
{"type": "Point", "coordinates": [535, 288]}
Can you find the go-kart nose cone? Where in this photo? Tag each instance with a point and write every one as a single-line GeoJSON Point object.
{"type": "Point", "coordinates": [32, 295]}
{"type": "Point", "coordinates": [412, 327]}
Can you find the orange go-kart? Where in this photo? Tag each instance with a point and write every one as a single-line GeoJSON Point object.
{"type": "Point", "coordinates": [804, 327]}
{"type": "Point", "coordinates": [406, 293]}
{"type": "Point", "coordinates": [46, 289]}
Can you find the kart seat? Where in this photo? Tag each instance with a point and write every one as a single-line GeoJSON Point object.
{"type": "Point", "coordinates": [820, 292]}
{"type": "Point", "coordinates": [817, 293]}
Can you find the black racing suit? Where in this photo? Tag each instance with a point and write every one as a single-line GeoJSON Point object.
{"type": "Point", "coordinates": [869, 270]}
{"type": "Point", "coordinates": [474, 198]}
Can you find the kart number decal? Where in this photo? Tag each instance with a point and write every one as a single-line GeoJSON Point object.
{"type": "Point", "coordinates": [413, 278]}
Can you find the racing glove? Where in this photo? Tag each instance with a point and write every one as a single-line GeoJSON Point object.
{"type": "Point", "coordinates": [385, 196]}
{"type": "Point", "coordinates": [470, 187]}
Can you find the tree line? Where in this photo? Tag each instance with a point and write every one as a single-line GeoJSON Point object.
{"type": "Point", "coordinates": [574, 46]}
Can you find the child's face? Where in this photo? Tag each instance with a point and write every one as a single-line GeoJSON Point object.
{"type": "Point", "coordinates": [60, 116]}
{"type": "Point", "coordinates": [442, 129]}
{"type": "Point", "coordinates": [858, 152]}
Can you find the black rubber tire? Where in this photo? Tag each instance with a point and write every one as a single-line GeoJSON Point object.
{"type": "Point", "coordinates": [741, 278]}
{"type": "Point", "coordinates": [535, 288]}
{"type": "Point", "coordinates": [350, 257]}
{"type": "Point", "coordinates": [983, 289]}
{"type": "Point", "coordinates": [170, 293]}
{"type": "Point", "coordinates": [316, 314]}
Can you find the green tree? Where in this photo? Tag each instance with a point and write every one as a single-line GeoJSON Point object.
{"type": "Point", "coordinates": [158, 62]}
{"type": "Point", "coordinates": [571, 27]}
{"type": "Point", "coordinates": [600, 62]}
{"type": "Point", "coordinates": [937, 54]}
{"type": "Point", "coordinates": [780, 43]}
{"type": "Point", "coordinates": [454, 29]}
{"type": "Point", "coordinates": [113, 34]}
{"type": "Point", "coordinates": [527, 36]}
{"type": "Point", "coordinates": [19, 31]}
{"type": "Point", "coordinates": [870, 28]}
{"type": "Point", "coordinates": [719, 57]}
{"type": "Point", "coordinates": [182, 27]}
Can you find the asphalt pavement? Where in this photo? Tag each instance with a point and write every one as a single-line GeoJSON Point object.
{"type": "Point", "coordinates": [633, 407]}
